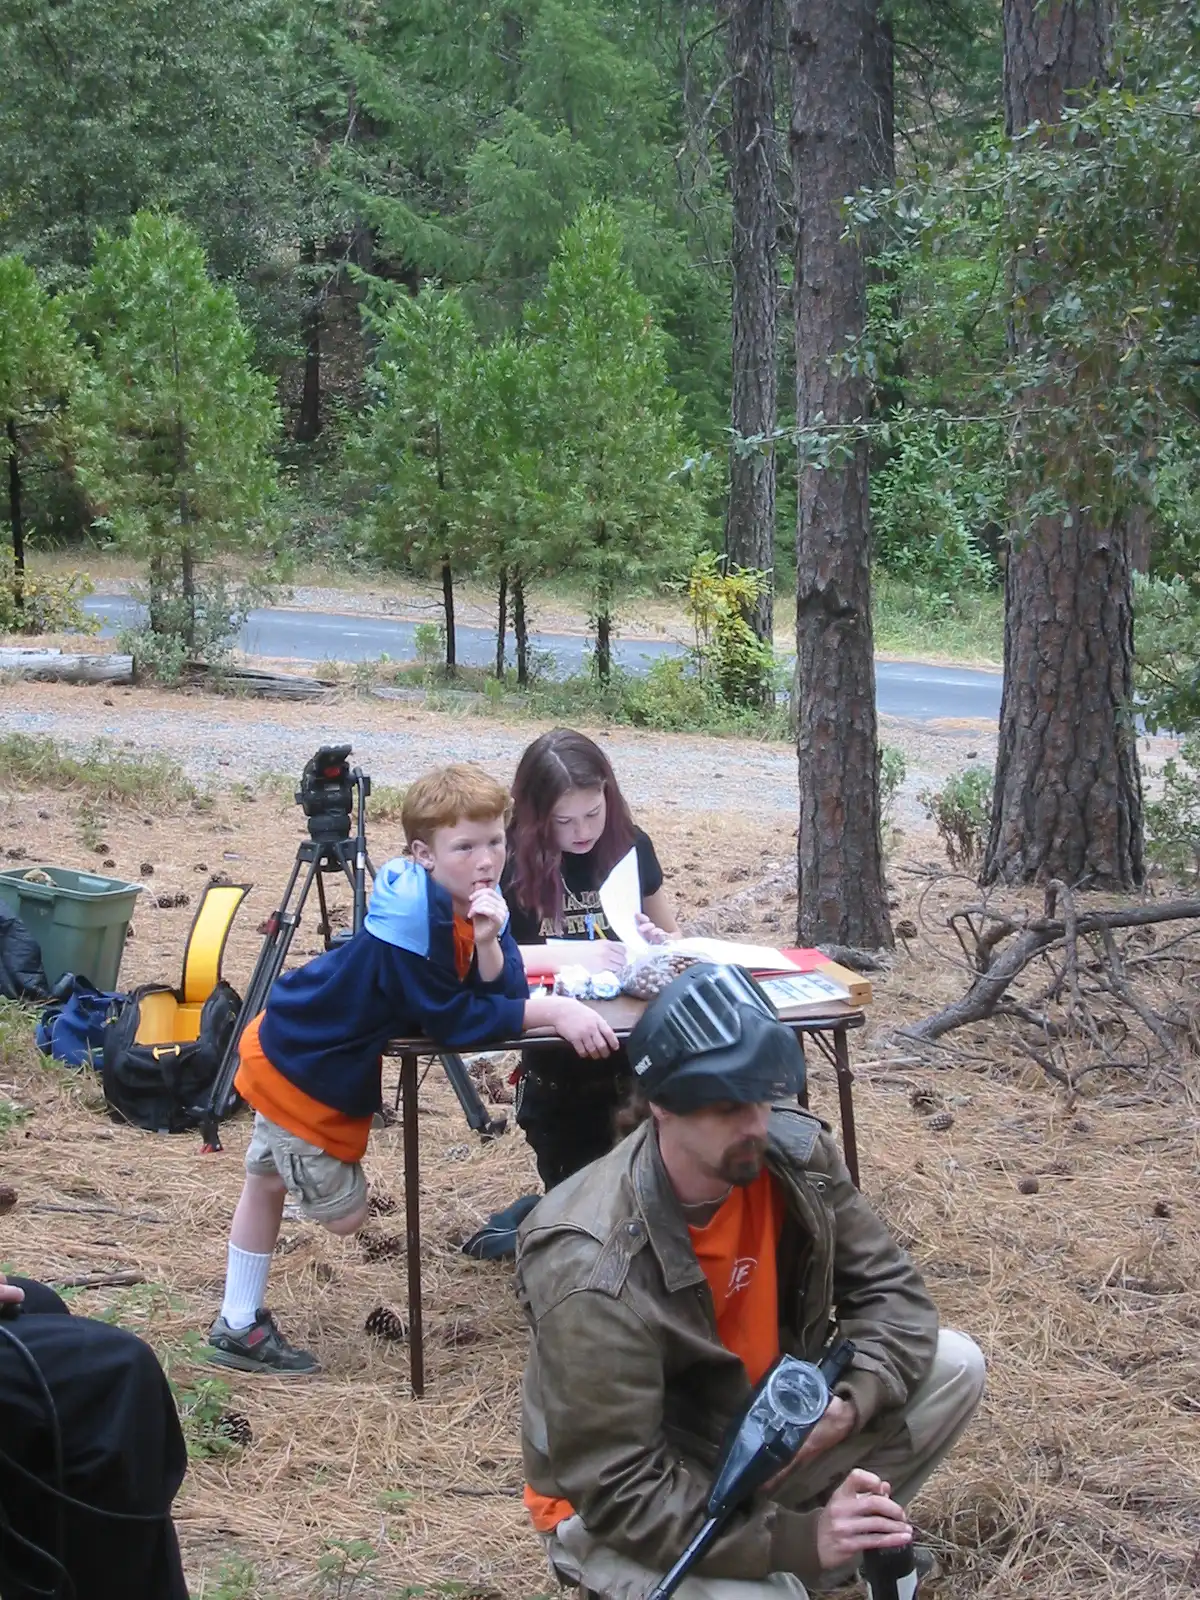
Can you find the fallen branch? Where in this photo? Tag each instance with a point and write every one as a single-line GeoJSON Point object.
{"type": "Point", "coordinates": [56, 667]}
{"type": "Point", "coordinates": [94, 1211]}
{"type": "Point", "coordinates": [1031, 938]}
{"type": "Point", "coordinates": [100, 1280]}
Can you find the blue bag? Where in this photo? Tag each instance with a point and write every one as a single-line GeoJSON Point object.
{"type": "Point", "coordinates": [72, 1028]}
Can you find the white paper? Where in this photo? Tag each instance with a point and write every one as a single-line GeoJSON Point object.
{"type": "Point", "coordinates": [757, 957]}
{"type": "Point", "coordinates": [621, 897]}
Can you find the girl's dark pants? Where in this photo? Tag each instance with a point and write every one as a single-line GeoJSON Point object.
{"type": "Point", "coordinates": [566, 1107]}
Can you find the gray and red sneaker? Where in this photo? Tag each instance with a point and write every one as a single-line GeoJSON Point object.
{"type": "Point", "coordinates": [259, 1348]}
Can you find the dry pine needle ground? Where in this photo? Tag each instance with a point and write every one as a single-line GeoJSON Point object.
{"type": "Point", "coordinates": [1080, 1476]}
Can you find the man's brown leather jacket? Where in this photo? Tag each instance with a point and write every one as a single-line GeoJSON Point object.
{"type": "Point", "coordinates": [628, 1390]}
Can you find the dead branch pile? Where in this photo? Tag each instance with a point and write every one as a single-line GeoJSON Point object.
{"type": "Point", "coordinates": [1102, 988]}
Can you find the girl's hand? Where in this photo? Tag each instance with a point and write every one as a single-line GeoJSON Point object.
{"type": "Point", "coordinates": [650, 931]}
{"type": "Point", "coordinates": [599, 955]}
{"type": "Point", "coordinates": [10, 1294]}
{"type": "Point", "coordinates": [488, 913]}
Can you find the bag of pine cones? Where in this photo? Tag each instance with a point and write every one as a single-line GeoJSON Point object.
{"type": "Point", "coordinates": [649, 974]}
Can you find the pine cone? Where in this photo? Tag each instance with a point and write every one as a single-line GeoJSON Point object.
{"type": "Point", "coordinates": [234, 1426]}
{"type": "Point", "coordinates": [381, 1246]}
{"type": "Point", "coordinates": [940, 1121]}
{"type": "Point", "coordinates": [8, 1198]}
{"type": "Point", "coordinates": [924, 1099]}
{"type": "Point", "coordinates": [381, 1204]}
{"type": "Point", "coordinates": [384, 1323]}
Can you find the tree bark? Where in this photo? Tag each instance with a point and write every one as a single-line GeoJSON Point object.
{"type": "Point", "coordinates": [603, 643]}
{"type": "Point", "coordinates": [1068, 799]}
{"type": "Point", "coordinates": [839, 850]}
{"type": "Point", "coordinates": [501, 623]}
{"type": "Point", "coordinates": [1054, 51]}
{"type": "Point", "coordinates": [187, 589]}
{"type": "Point", "coordinates": [308, 423]}
{"type": "Point", "coordinates": [520, 628]}
{"type": "Point", "coordinates": [750, 525]}
{"type": "Point", "coordinates": [448, 607]}
{"type": "Point", "coordinates": [16, 519]}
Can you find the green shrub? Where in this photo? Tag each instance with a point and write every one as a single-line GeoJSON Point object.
{"type": "Point", "coordinates": [430, 641]}
{"type": "Point", "coordinates": [671, 696]}
{"type": "Point", "coordinates": [962, 813]}
{"type": "Point", "coordinates": [1173, 821]}
{"type": "Point", "coordinates": [893, 769]}
{"type": "Point", "coordinates": [52, 605]}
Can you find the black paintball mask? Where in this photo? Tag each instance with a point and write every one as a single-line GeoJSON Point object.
{"type": "Point", "coordinates": [712, 1036]}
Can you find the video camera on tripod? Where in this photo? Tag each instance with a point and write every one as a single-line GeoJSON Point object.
{"type": "Point", "coordinates": [331, 792]}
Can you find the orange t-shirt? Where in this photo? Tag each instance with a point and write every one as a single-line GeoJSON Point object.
{"type": "Point", "coordinates": [280, 1101]}
{"type": "Point", "coordinates": [737, 1250]}
{"type": "Point", "coordinates": [464, 945]}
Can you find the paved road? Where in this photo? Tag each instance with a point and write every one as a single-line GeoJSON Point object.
{"type": "Point", "coordinates": [905, 689]}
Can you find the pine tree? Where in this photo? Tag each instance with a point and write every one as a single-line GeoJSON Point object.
{"type": "Point", "coordinates": [178, 458]}
{"type": "Point", "coordinates": [619, 448]}
{"type": "Point", "coordinates": [416, 447]}
{"type": "Point", "coordinates": [40, 363]}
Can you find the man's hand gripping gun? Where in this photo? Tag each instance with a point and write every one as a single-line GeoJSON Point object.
{"type": "Point", "coordinates": [783, 1410]}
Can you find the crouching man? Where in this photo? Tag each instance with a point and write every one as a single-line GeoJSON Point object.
{"type": "Point", "coordinates": [663, 1280]}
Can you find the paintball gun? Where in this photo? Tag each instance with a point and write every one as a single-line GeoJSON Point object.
{"type": "Point", "coordinates": [783, 1410]}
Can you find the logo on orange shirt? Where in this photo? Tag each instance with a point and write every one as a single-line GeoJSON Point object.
{"type": "Point", "coordinates": [743, 1271]}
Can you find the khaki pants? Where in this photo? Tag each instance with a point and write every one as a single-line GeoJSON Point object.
{"type": "Point", "coordinates": [904, 1451]}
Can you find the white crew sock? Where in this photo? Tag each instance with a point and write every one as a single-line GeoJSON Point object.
{"type": "Point", "coordinates": [245, 1286]}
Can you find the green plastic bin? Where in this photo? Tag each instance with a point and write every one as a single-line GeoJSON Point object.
{"type": "Point", "coordinates": [79, 919]}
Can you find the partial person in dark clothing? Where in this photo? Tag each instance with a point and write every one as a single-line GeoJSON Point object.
{"type": "Point", "coordinates": [91, 1457]}
{"type": "Point", "coordinates": [570, 826]}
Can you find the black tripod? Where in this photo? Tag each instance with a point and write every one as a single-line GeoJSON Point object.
{"type": "Point", "coordinates": [327, 794]}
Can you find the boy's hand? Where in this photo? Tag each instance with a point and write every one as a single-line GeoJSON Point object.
{"type": "Point", "coordinates": [488, 914]}
{"type": "Point", "coordinates": [650, 931]}
{"type": "Point", "coordinates": [580, 1026]}
{"type": "Point", "coordinates": [10, 1294]}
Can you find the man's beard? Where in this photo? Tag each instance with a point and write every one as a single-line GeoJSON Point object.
{"type": "Point", "coordinates": [742, 1162]}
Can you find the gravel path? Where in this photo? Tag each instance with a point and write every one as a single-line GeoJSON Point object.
{"type": "Point", "coordinates": [220, 740]}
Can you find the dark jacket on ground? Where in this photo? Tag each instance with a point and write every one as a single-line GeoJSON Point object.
{"type": "Point", "coordinates": [628, 1390]}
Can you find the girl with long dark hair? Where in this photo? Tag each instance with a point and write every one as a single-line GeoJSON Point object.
{"type": "Point", "coordinates": [570, 826]}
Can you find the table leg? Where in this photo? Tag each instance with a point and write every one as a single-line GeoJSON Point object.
{"type": "Point", "coordinates": [845, 1080]}
{"type": "Point", "coordinates": [412, 1219]}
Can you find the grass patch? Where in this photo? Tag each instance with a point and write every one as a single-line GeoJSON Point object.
{"type": "Point", "coordinates": [669, 698]}
{"type": "Point", "coordinates": [101, 772]}
{"type": "Point", "coordinates": [913, 622]}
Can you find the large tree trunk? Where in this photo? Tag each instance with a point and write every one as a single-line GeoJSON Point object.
{"type": "Point", "coordinates": [839, 851]}
{"type": "Point", "coordinates": [16, 519]}
{"type": "Point", "coordinates": [750, 526]}
{"type": "Point", "coordinates": [308, 423]}
{"type": "Point", "coordinates": [1068, 800]}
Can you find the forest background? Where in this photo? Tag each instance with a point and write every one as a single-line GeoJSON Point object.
{"type": "Point", "coordinates": [446, 289]}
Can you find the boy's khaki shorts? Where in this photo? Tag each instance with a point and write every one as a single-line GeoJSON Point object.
{"type": "Point", "coordinates": [325, 1188]}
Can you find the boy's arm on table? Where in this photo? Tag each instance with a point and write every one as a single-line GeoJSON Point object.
{"type": "Point", "coordinates": [462, 1018]}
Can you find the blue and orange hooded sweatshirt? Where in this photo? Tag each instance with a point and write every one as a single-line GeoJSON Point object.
{"type": "Point", "coordinates": [311, 1061]}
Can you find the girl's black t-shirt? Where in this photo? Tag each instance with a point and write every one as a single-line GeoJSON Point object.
{"type": "Point", "coordinates": [583, 916]}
